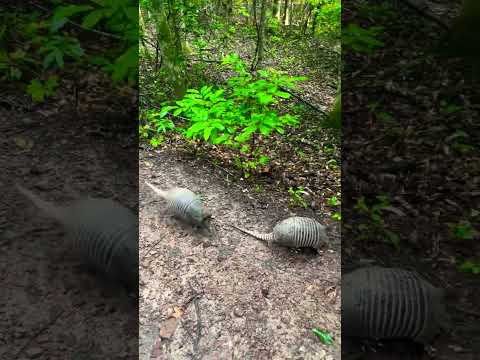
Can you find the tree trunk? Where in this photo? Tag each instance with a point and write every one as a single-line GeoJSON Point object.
{"type": "Point", "coordinates": [254, 13]}
{"type": "Point", "coordinates": [290, 13]}
{"type": "Point", "coordinates": [170, 43]}
{"type": "Point", "coordinates": [284, 12]}
{"type": "Point", "coordinates": [258, 58]}
{"type": "Point", "coordinates": [275, 8]}
{"type": "Point", "coordinates": [308, 13]}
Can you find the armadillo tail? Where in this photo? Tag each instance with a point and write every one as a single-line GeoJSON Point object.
{"type": "Point", "coordinates": [156, 190]}
{"type": "Point", "coordinates": [265, 237]}
{"type": "Point", "coordinates": [43, 205]}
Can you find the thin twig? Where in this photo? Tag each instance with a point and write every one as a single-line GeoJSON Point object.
{"type": "Point", "coordinates": [112, 36]}
{"type": "Point", "coordinates": [303, 100]}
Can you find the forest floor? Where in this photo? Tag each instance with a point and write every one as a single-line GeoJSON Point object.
{"type": "Point", "coordinates": [51, 307]}
{"type": "Point", "coordinates": [229, 296]}
{"type": "Point", "coordinates": [414, 124]}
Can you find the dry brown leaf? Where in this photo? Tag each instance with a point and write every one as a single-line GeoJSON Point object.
{"type": "Point", "coordinates": [23, 143]}
{"type": "Point", "coordinates": [177, 312]}
{"type": "Point", "coordinates": [168, 327]}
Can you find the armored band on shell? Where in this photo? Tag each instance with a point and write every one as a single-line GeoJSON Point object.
{"type": "Point", "coordinates": [183, 204]}
{"type": "Point", "coordinates": [294, 232]}
{"type": "Point", "coordinates": [389, 303]}
{"type": "Point", "coordinates": [103, 232]}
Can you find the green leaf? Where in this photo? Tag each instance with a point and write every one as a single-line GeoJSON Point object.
{"type": "Point", "coordinates": [92, 19]}
{"type": "Point", "coordinates": [246, 134]}
{"type": "Point", "coordinates": [265, 130]}
{"type": "Point", "coordinates": [48, 60]}
{"type": "Point", "coordinates": [59, 58]}
{"type": "Point", "coordinates": [323, 336]}
{"type": "Point", "coordinates": [283, 94]}
{"type": "Point", "coordinates": [220, 139]}
{"type": "Point", "coordinates": [207, 132]}
{"type": "Point", "coordinates": [265, 99]}
{"type": "Point", "coordinates": [62, 13]}
{"type": "Point", "coordinates": [128, 61]}
{"type": "Point", "coordinates": [264, 160]}
{"type": "Point", "coordinates": [36, 90]}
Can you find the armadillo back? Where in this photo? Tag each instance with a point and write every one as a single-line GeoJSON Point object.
{"type": "Point", "coordinates": [388, 303]}
{"type": "Point", "coordinates": [299, 232]}
{"type": "Point", "coordinates": [106, 235]}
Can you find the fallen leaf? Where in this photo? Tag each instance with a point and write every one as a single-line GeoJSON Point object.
{"type": "Point", "coordinates": [168, 327]}
{"type": "Point", "coordinates": [177, 312]}
{"type": "Point", "coordinates": [23, 143]}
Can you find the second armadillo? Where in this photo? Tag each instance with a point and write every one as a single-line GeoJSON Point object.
{"type": "Point", "coordinates": [103, 232]}
{"type": "Point", "coordinates": [294, 232]}
{"type": "Point", "coordinates": [388, 303]}
{"type": "Point", "coordinates": [184, 204]}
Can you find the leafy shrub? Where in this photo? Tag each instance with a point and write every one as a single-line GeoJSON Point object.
{"type": "Point", "coordinates": [236, 114]}
{"type": "Point", "coordinates": [362, 40]}
{"type": "Point", "coordinates": [46, 47]}
{"type": "Point", "coordinates": [327, 14]}
{"type": "Point", "coordinates": [372, 224]}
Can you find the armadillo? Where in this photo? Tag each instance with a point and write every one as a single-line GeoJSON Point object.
{"type": "Point", "coordinates": [103, 233]}
{"type": "Point", "coordinates": [391, 303]}
{"type": "Point", "coordinates": [184, 204]}
{"type": "Point", "coordinates": [294, 232]}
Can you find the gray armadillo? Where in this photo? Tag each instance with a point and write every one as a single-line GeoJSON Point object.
{"type": "Point", "coordinates": [184, 204]}
{"type": "Point", "coordinates": [294, 232]}
{"type": "Point", "coordinates": [389, 303]}
{"type": "Point", "coordinates": [103, 232]}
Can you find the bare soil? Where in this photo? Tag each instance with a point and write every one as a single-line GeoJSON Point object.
{"type": "Point", "coordinates": [50, 306]}
{"type": "Point", "coordinates": [225, 295]}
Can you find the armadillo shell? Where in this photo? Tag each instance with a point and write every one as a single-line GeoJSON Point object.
{"type": "Point", "coordinates": [187, 206]}
{"type": "Point", "coordinates": [105, 234]}
{"type": "Point", "coordinates": [299, 232]}
{"type": "Point", "coordinates": [389, 303]}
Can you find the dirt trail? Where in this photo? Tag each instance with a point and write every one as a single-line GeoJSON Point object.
{"type": "Point", "coordinates": [241, 299]}
{"type": "Point", "coordinates": [51, 306]}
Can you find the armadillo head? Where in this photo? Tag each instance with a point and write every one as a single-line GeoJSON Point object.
{"type": "Point", "coordinates": [197, 213]}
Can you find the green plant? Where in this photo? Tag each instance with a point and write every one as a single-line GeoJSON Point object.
{"type": "Point", "coordinates": [450, 108]}
{"type": "Point", "coordinates": [235, 116]}
{"type": "Point", "coordinates": [327, 17]}
{"type": "Point", "coordinates": [337, 216]}
{"type": "Point", "coordinates": [328, 149]}
{"type": "Point", "coordinates": [46, 44]}
{"type": "Point", "coordinates": [470, 266]}
{"type": "Point", "coordinates": [458, 142]}
{"type": "Point", "coordinates": [39, 90]}
{"type": "Point", "coordinates": [463, 230]}
{"type": "Point", "coordinates": [258, 188]}
{"type": "Point", "coordinates": [55, 48]}
{"type": "Point", "coordinates": [332, 164]}
{"type": "Point", "coordinates": [296, 196]}
{"type": "Point", "coordinates": [333, 201]}
{"type": "Point", "coordinates": [362, 40]}
{"type": "Point", "coordinates": [324, 336]}
{"type": "Point", "coordinates": [373, 225]}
